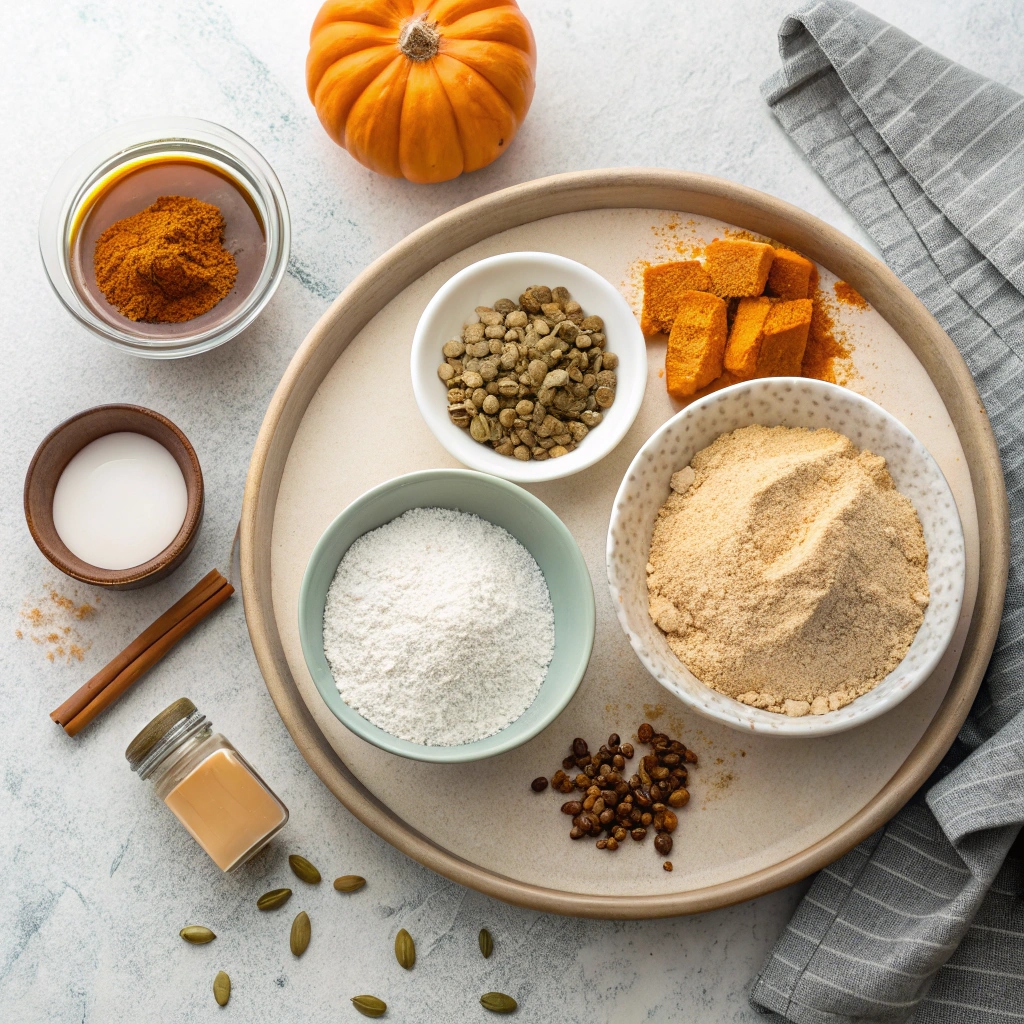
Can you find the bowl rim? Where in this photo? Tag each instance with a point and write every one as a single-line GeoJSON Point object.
{"type": "Point", "coordinates": [38, 501]}
{"type": "Point", "coordinates": [457, 443]}
{"type": "Point", "coordinates": [312, 641]}
{"type": "Point", "coordinates": [745, 717]}
{"type": "Point", "coordinates": [95, 160]}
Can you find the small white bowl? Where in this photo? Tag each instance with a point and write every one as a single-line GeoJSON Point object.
{"type": "Point", "coordinates": [790, 402]}
{"type": "Point", "coordinates": [508, 276]}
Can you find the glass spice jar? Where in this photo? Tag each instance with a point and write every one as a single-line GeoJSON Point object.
{"type": "Point", "coordinates": [214, 792]}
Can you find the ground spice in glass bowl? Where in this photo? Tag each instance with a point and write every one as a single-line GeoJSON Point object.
{"type": "Point", "coordinates": [141, 227]}
{"type": "Point", "coordinates": [167, 263]}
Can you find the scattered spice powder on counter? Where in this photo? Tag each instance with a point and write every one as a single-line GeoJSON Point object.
{"type": "Point", "coordinates": [51, 622]}
{"type": "Point", "coordinates": [760, 560]}
{"type": "Point", "coordinates": [167, 263]}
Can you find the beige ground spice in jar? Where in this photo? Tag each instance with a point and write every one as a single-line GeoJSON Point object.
{"type": "Point", "coordinates": [786, 570]}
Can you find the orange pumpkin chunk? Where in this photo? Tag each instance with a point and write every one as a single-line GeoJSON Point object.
{"type": "Point", "coordinates": [737, 268]}
{"type": "Point", "coordinates": [745, 337]}
{"type": "Point", "coordinates": [696, 344]}
{"type": "Point", "coordinates": [785, 338]}
{"type": "Point", "coordinates": [790, 275]}
{"type": "Point", "coordinates": [664, 283]}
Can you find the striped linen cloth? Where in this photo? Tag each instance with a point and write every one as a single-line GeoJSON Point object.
{"type": "Point", "coordinates": [925, 920]}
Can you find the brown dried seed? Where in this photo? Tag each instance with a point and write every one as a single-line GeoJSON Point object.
{"type": "Point", "coordinates": [645, 733]}
{"type": "Point", "coordinates": [667, 865]}
{"type": "Point", "coordinates": [679, 798]}
{"type": "Point", "coordinates": [405, 949]}
{"type": "Point", "coordinates": [302, 868]}
{"type": "Point", "coordinates": [274, 899]}
{"type": "Point", "coordinates": [299, 939]}
{"type": "Point", "coordinates": [498, 1002]}
{"type": "Point", "coordinates": [370, 1006]}
{"type": "Point", "coordinates": [572, 807]}
{"type": "Point", "coordinates": [639, 834]}
{"type": "Point", "coordinates": [222, 988]}
{"type": "Point", "coordinates": [539, 784]}
{"type": "Point", "coordinates": [663, 843]}
{"type": "Point", "coordinates": [349, 883]}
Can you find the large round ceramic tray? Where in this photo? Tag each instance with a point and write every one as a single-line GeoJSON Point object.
{"type": "Point", "coordinates": [765, 812]}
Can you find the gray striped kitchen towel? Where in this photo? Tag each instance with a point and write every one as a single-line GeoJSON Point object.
{"type": "Point", "coordinates": [925, 920]}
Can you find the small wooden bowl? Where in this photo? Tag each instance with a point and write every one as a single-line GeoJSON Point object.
{"type": "Point", "coordinates": [62, 444]}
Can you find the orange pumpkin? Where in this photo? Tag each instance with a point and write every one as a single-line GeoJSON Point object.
{"type": "Point", "coordinates": [421, 89]}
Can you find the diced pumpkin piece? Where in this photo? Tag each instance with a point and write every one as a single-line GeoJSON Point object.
{"type": "Point", "coordinates": [790, 275]}
{"type": "Point", "coordinates": [696, 344]}
{"type": "Point", "coordinates": [785, 338]}
{"type": "Point", "coordinates": [738, 269]}
{"type": "Point", "coordinates": [663, 284]}
{"type": "Point", "coordinates": [745, 336]}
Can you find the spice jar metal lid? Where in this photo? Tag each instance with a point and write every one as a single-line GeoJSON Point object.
{"type": "Point", "coordinates": [172, 726]}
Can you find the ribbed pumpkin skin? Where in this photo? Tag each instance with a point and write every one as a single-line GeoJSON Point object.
{"type": "Point", "coordinates": [426, 119]}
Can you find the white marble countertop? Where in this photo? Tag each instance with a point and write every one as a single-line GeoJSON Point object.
{"type": "Point", "coordinates": [98, 876]}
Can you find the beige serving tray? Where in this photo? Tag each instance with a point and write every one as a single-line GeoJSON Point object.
{"type": "Point", "coordinates": [764, 811]}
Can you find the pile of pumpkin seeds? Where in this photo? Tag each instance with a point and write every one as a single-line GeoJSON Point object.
{"type": "Point", "coordinates": [405, 947]}
{"type": "Point", "coordinates": [532, 378]}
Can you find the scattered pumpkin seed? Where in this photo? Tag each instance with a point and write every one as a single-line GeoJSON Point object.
{"type": "Point", "coordinates": [349, 883]}
{"type": "Point", "coordinates": [498, 1002]}
{"type": "Point", "coordinates": [370, 1006]}
{"type": "Point", "coordinates": [222, 988]}
{"type": "Point", "coordinates": [304, 870]}
{"type": "Point", "coordinates": [486, 943]}
{"type": "Point", "coordinates": [300, 933]}
{"type": "Point", "coordinates": [274, 899]}
{"type": "Point", "coordinates": [405, 949]}
{"type": "Point", "coordinates": [197, 934]}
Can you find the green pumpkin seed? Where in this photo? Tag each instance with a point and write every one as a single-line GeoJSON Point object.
{"type": "Point", "coordinates": [405, 949]}
{"type": "Point", "coordinates": [197, 934]}
{"type": "Point", "coordinates": [304, 870]}
{"type": "Point", "coordinates": [222, 988]}
{"type": "Point", "coordinates": [349, 883]}
{"type": "Point", "coordinates": [498, 1002]}
{"type": "Point", "coordinates": [274, 899]}
{"type": "Point", "coordinates": [486, 943]}
{"type": "Point", "coordinates": [370, 1006]}
{"type": "Point", "coordinates": [300, 933]}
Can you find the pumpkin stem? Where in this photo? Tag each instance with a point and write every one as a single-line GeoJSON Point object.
{"type": "Point", "coordinates": [420, 39]}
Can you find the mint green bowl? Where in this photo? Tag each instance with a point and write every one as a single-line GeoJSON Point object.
{"type": "Point", "coordinates": [532, 523]}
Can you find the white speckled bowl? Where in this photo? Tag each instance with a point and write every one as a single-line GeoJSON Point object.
{"type": "Point", "coordinates": [509, 274]}
{"type": "Point", "coordinates": [790, 402]}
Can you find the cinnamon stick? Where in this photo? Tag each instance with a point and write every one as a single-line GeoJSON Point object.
{"type": "Point", "coordinates": [146, 660]}
{"type": "Point", "coordinates": [78, 701]}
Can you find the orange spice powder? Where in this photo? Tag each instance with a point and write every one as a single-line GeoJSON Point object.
{"type": "Point", "coordinates": [828, 353]}
{"type": "Point", "coordinates": [849, 296]}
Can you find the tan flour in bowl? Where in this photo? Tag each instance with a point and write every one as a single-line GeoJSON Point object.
{"type": "Point", "coordinates": [786, 570]}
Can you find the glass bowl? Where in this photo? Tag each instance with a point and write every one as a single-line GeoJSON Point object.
{"type": "Point", "coordinates": [90, 173]}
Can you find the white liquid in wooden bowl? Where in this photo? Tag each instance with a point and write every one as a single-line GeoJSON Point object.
{"type": "Point", "coordinates": [120, 501]}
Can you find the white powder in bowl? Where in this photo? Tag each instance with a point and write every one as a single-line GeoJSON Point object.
{"type": "Point", "coordinates": [438, 627]}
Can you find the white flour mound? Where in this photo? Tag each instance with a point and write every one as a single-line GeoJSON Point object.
{"type": "Point", "coordinates": [438, 627]}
